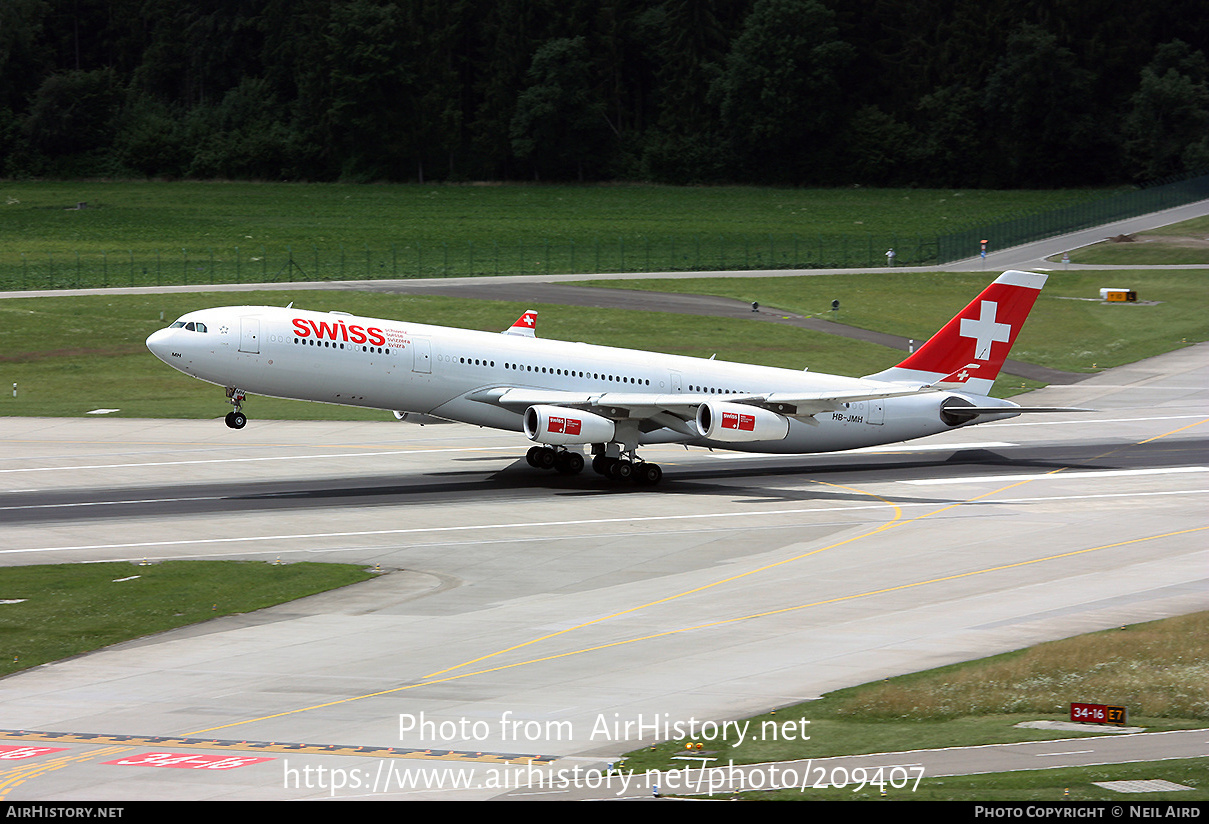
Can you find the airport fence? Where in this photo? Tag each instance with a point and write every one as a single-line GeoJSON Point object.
{"type": "Point", "coordinates": [1027, 228]}
{"type": "Point", "coordinates": [337, 262]}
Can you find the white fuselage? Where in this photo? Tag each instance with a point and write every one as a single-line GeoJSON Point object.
{"type": "Point", "coordinates": [382, 364]}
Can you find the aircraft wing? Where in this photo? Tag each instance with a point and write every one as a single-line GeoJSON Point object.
{"type": "Point", "coordinates": [643, 405]}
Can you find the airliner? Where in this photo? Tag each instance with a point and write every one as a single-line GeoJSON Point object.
{"type": "Point", "coordinates": [567, 396]}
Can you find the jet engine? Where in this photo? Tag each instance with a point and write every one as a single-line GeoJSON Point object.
{"type": "Point", "coordinates": [739, 423]}
{"type": "Point", "coordinates": [557, 425]}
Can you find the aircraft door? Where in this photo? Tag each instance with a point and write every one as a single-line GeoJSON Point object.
{"type": "Point", "coordinates": [249, 335]}
{"type": "Point", "coordinates": [421, 353]}
{"type": "Point", "coordinates": [877, 412]}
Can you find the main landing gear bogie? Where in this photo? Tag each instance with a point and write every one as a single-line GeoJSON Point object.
{"type": "Point", "coordinates": [621, 470]}
{"type": "Point", "coordinates": [564, 461]}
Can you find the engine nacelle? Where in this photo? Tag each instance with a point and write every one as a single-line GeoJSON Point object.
{"type": "Point", "coordinates": [557, 425]}
{"type": "Point", "coordinates": [739, 423]}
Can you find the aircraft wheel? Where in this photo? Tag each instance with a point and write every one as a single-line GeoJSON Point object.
{"type": "Point", "coordinates": [569, 463]}
{"type": "Point", "coordinates": [533, 456]}
{"type": "Point", "coordinates": [237, 420]}
{"type": "Point", "coordinates": [621, 471]}
{"type": "Point", "coordinates": [601, 464]}
{"type": "Point", "coordinates": [648, 474]}
{"type": "Point", "coordinates": [546, 458]}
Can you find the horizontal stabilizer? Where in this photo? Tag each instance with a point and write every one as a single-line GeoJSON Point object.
{"type": "Point", "coordinates": [973, 411]}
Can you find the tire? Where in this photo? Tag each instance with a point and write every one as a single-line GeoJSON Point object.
{"type": "Point", "coordinates": [569, 463]}
{"type": "Point", "coordinates": [648, 474]}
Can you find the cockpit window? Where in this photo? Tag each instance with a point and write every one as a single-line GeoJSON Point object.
{"type": "Point", "coordinates": [177, 325]}
{"type": "Point", "coordinates": [192, 326]}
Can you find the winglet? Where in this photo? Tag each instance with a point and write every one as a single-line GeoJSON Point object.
{"type": "Point", "coordinates": [526, 325]}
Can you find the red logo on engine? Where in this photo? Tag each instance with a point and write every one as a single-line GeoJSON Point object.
{"type": "Point", "coordinates": [565, 426]}
{"type": "Point", "coordinates": [734, 420]}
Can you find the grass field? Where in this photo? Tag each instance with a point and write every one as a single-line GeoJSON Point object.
{"type": "Point", "coordinates": [166, 216]}
{"type": "Point", "coordinates": [151, 233]}
{"type": "Point", "coordinates": [1158, 670]}
{"type": "Point", "coordinates": [69, 609]}
{"type": "Point", "coordinates": [1069, 328]}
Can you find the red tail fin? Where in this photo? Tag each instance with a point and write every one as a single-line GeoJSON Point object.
{"type": "Point", "coordinates": [978, 339]}
{"type": "Point", "coordinates": [525, 325]}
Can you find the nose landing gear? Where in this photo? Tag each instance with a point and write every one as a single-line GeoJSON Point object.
{"type": "Point", "coordinates": [236, 419]}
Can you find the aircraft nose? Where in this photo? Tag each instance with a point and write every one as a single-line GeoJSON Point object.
{"type": "Point", "coordinates": [160, 344]}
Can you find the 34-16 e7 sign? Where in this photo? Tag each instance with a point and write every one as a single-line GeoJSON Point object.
{"type": "Point", "coordinates": [1098, 714]}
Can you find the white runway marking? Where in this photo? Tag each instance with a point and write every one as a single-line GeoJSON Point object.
{"type": "Point", "coordinates": [1058, 476]}
{"type": "Point", "coordinates": [397, 452]}
{"type": "Point", "coordinates": [586, 522]}
{"type": "Point", "coordinates": [903, 447]}
{"type": "Point", "coordinates": [1086, 422]}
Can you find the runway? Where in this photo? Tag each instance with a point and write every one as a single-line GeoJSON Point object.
{"type": "Point", "coordinates": [532, 615]}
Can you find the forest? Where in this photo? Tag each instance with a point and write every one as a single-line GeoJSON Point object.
{"type": "Point", "coordinates": [969, 93]}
